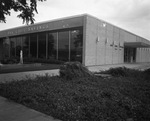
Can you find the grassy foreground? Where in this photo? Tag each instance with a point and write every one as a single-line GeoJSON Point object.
{"type": "Point", "coordinates": [125, 96]}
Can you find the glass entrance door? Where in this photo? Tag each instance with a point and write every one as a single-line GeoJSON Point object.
{"type": "Point", "coordinates": [130, 55]}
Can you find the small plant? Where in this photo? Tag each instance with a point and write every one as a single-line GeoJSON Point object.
{"type": "Point", "coordinates": [72, 70]}
{"type": "Point", "coordinates": [147, 71]}
{"type": "Point", "coordinates": [123, 72]}
{"type": "Point", "coordinates": [12, 60]}
{"type": "Point", "coordinates": [40, 60]}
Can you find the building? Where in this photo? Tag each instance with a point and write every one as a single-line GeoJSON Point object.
{"type": "Point", "coordinates": [81, 38]}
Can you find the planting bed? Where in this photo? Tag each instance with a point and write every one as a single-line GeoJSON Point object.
{"type": "Point", "coordinates": [122, 97]}
{"type": "Point", "coordinates": [12, 68]}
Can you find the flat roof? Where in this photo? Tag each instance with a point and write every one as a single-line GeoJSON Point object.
{"type": "Point", "coordinates": [137, 44]}
{"type": "Point", "coordinates": [61, 23]}
{"type": "Point", "coordinates": [75, 21]}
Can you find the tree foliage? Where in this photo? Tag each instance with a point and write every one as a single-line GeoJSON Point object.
{"type": "Point", "coordinates": [27, 9]}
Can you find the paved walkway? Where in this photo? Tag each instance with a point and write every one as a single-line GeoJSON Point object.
{"type": "Point", "coordinates": [10, 111]}
{"type": "Point", "coordinates": [140, 66]}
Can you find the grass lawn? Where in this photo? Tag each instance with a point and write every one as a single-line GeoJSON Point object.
{"type": "Point", "coordinates": [88, 98]}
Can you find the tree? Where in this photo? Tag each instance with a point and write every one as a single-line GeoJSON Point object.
{"type": "Point", "coordinates": [27, 9]}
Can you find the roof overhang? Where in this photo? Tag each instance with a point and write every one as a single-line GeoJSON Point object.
{"type": "Point", "coordinates": [136, 44]}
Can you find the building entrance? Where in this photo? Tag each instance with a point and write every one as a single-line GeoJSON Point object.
{"type": "Point", "coordinates": [129, 55]}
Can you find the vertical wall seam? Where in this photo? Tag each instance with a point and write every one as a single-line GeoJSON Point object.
{"type": "Point", "coordinates": [29, 46]}
{"type": "Point", "coordinates": [69, 45]}
{"type": "Point", "coordinates": [46, 45]}
{"type": "Point", "coordinates": [37, 53]}
{"type": "Point", "coordinates": [57, 47]}
{"type": "Point", "coordinates": [84, 40]}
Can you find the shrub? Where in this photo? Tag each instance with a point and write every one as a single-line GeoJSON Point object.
{"type": "Point", "coordinates": [12, 60]}
{"type": "Point", "coordinates": [147, 74]}
{"type": "Point", "coordinates": [100, 100]}
{"type": "Point", "coordinates": [40, 60]}
{"type": "Point", "coordinates": [147, 71]}
{"type": "Point", "coordinates": [123, 72]}
{"type": "Point", "coordinates": [70, 70]}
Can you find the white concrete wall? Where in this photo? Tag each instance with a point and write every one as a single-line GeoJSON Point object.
{"type": "Point", "coordinates": [129, 37]}
{"type": "Point", "coordinates": [143, 55]}
{"type": "Point", "coordinates": [103, 43]}
{"type": "Point", "coordinates": [109, 49]}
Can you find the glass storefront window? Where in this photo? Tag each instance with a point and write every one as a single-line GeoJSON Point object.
{"type": "Point", "coordinates": [129, 55]}
{"type": "Point", "coordinates": [52, 46]}
{"type": "Point", "coordinates": [1, 49]}
{"type": "Point", "coordinates": [25, 45]}
{"type": "Point", "coordinates": [63, 46]}
{"type": "Point", "coordinates": [41, 45]}
{"type": "Point", "coordinates": [13, 47]}
{"type": "Point", "coordinates": [6, 46]}
{"type": "Point", "coordinates": [76, 45]}
{"type": "Point", "coordinates": [33, 45]}
{"type": "Point", "coordinates": [18, 46]}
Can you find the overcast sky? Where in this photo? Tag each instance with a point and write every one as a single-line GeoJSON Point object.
{"type": "Point", "coordinates": [131, 15]}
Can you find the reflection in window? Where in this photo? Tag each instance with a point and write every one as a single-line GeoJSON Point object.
{"type": "Point", "coordinates": [18, 46]}
{"type": "Point", "coordinates": [42, 45]}
{"type": "Point", "coordinates": [76, 45]}
{"type": "Point", "coordinates": [6, 45]}
{"type": "Point", "coordinates": [25, 46]}
{"type": "Point", "coordinates": [57, 45]}
{"type": "Point", "coordinates": [52, 46]}
{"type": "Point", "coordinates": [12, 47]}
{"type": "Point", "coordinates": [63, 46]}
{"type": "Point", "coordinates": [33, 45]}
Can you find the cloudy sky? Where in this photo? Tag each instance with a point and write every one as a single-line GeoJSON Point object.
{"type": "Point", "coordinates": [131, 15]}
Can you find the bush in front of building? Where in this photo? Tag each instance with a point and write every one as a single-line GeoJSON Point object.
{"type": "Point", "coordinates": [147, 74]}
{"type": "Point", "coordinates": [122, 71]}
{"type": "Point", "coordinates": [13, 60]}
{"type": "Point", "coordinates": [71, 70]}
{"type": "Point", "coordinates": [147, 71]}
{"type": "Point", "coordinates": [40, 60]}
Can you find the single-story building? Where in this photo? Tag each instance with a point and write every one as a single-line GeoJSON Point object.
{"type": "Point", "coordinates": [81, 38]}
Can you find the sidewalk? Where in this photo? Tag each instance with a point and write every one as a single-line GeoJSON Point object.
{"type": "Point", "coordinates": [140, 66]}
{"type": "Point", "coordinates": [10, 111]}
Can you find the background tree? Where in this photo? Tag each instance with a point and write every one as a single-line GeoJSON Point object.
{"type": "Point", "coordinates": [27, 9]}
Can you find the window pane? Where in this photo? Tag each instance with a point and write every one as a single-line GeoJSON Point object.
{"type": "Point", "coordinates": [52, 45]}
{"type": "Point", "coordinates": [6, 45]}
{"type": "Point", "coordinates": [63, 46]}
{"type": "Point", "coordinates": [76, 45]}
{"type": "Point", "coordinates": [25, 46]}
{"type": "Point", "coordinates": [33, 45]}
{"type": "Point", "coordinates": [18, 46]}
{"type": "Point", "coordinates": [42, 45]}
{"type": "Point", "coordinates": [12, 47]}
{"type": "Point", "coordinates": [1, 49]}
